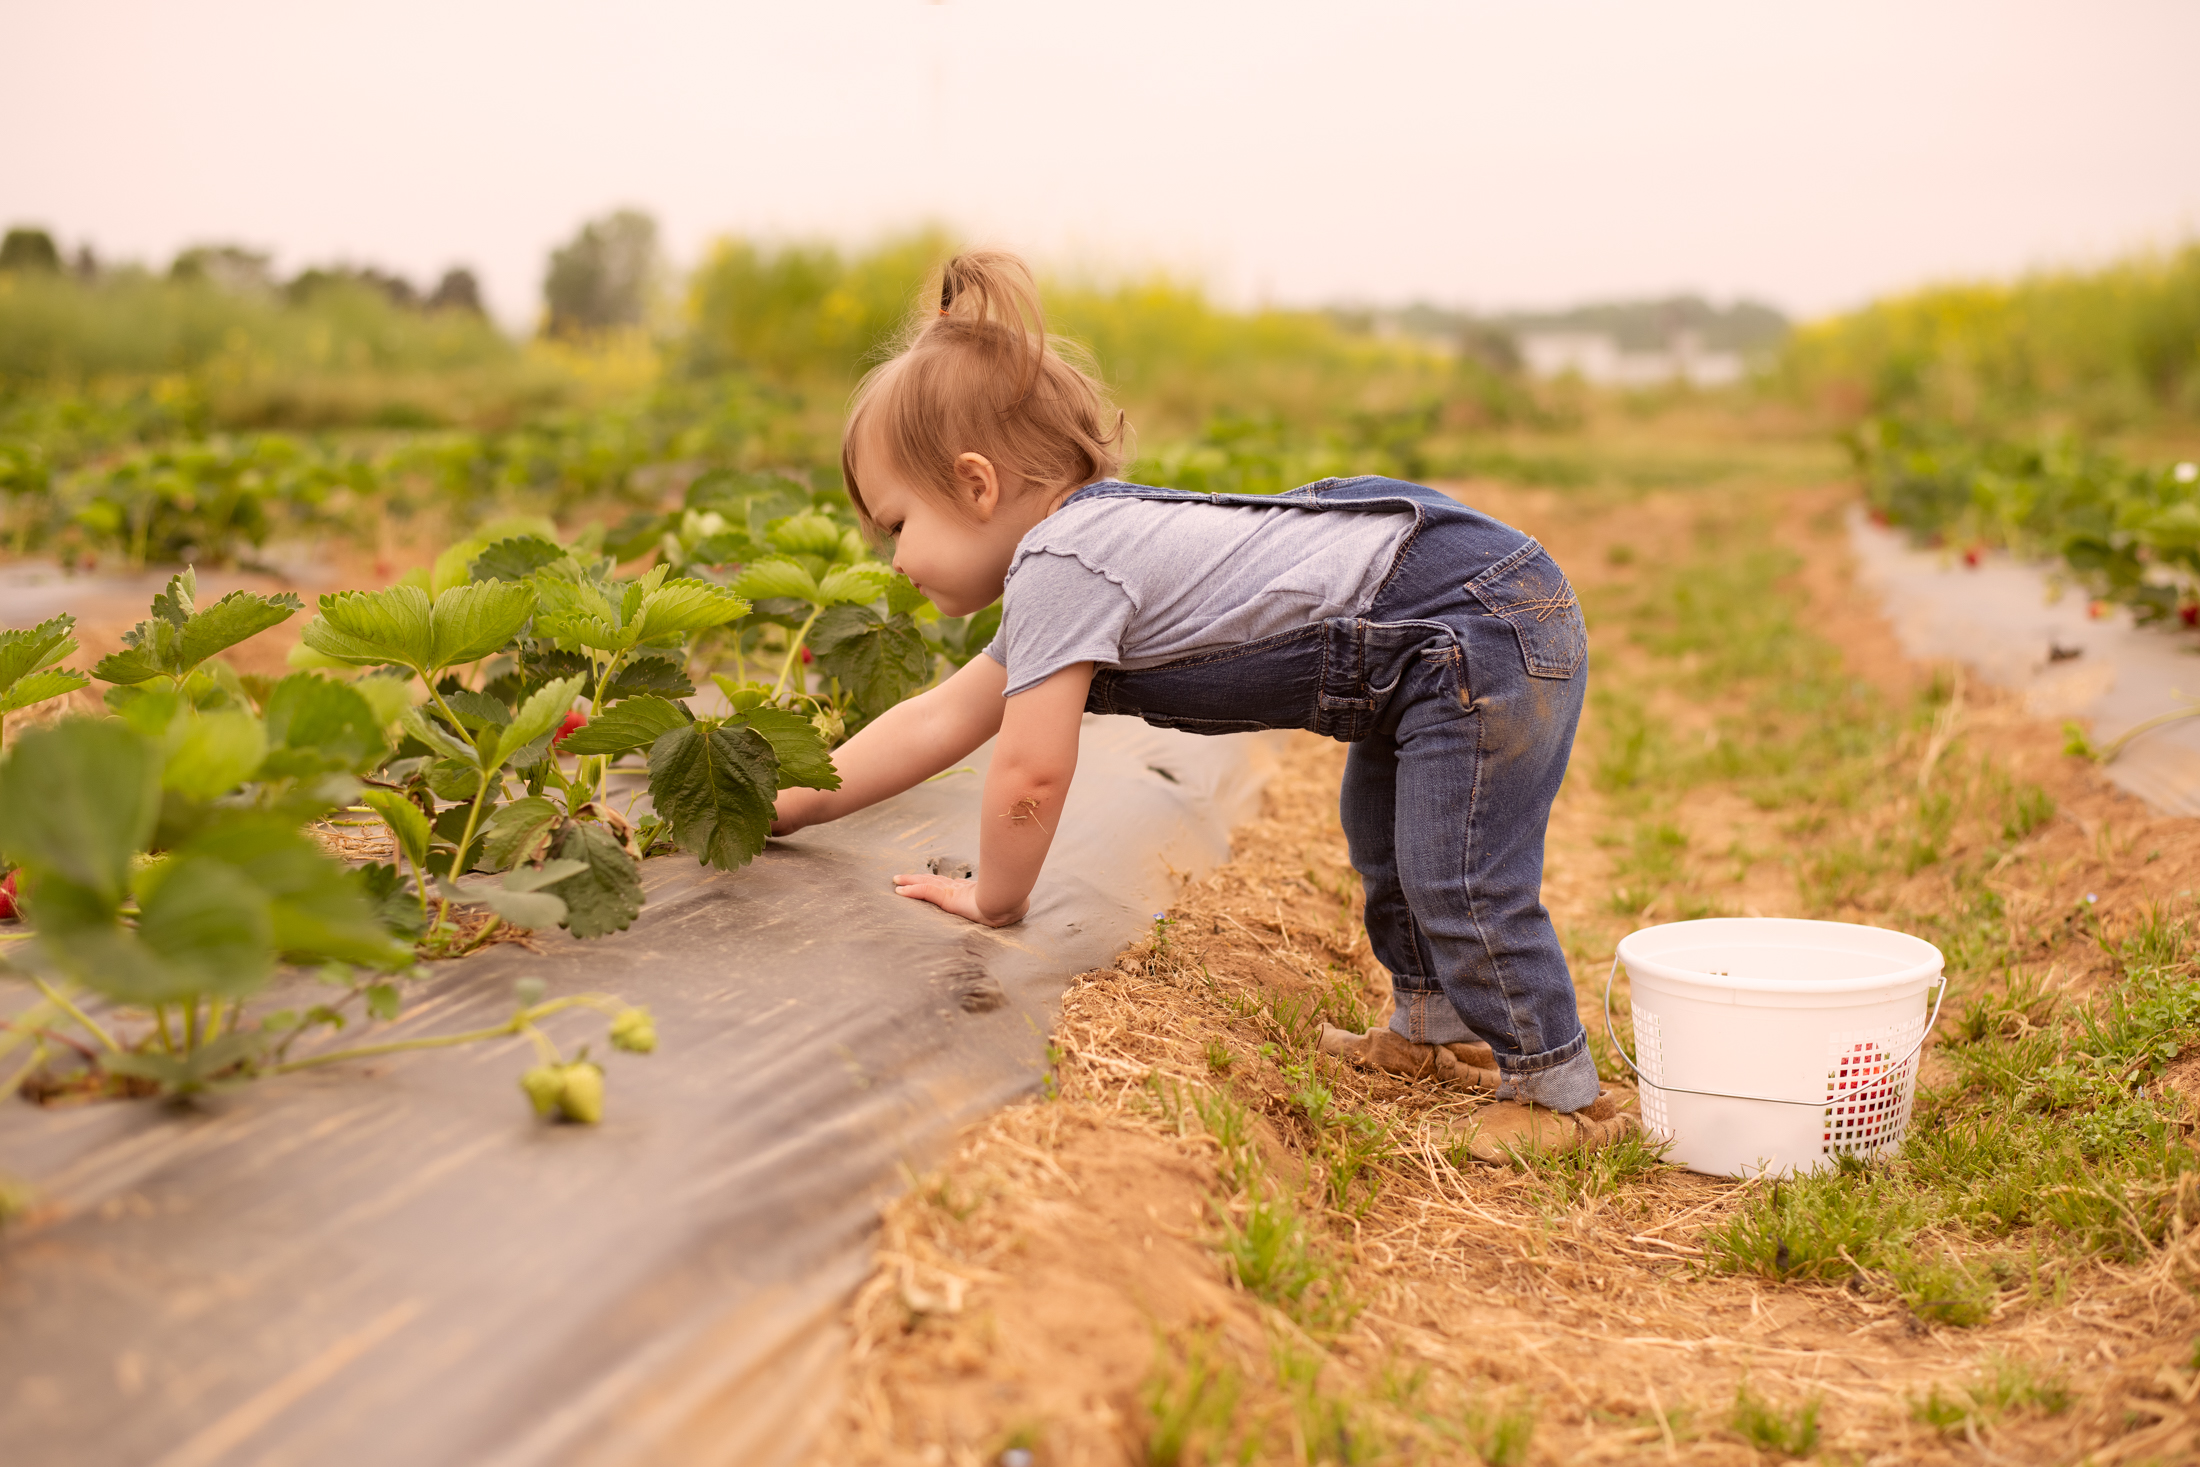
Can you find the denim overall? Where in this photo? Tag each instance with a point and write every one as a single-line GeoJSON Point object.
{"type": "Point", "coordinates": [1459, 692]}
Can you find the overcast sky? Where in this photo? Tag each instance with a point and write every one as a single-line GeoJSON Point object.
{"type": "Point", "coordinates": [1487, 155]}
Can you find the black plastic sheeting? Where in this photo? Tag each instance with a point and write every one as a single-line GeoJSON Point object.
{"type": "Point", "coordinates": [394, 1262]}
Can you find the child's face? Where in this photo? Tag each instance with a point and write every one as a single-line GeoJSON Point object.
{"type": "Point", "coordinates": [957, 553]}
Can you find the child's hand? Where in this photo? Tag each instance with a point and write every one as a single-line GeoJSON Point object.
{"type": "Point", "coordinates": [954, 894]}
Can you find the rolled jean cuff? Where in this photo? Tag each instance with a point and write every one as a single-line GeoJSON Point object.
{"type": "Point", "coordinates": [1426, 1016]}
{"type": "Point", "coordinates": [1526, 1065]}
{"type": "Point", "coordinates": [1568, 1085]}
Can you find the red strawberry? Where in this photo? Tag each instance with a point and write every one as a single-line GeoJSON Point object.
{"type": "Point", "coordinates": [9, 911]}
{"type": "Point", "coordinates": [574, 719]}
{"type": "Point", "coordinates": [1971, 557]}
{"type": "Point", "coordinates": [2189, 613]}
{"type": "Point", "coordinates": [806, 657]}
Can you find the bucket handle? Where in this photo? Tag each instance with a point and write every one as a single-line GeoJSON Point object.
{"type": "Point", "coordinates": [1613, 1035]}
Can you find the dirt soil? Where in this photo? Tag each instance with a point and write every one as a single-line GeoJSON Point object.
{"type": "Point", "coordinates": [1027, 1294]}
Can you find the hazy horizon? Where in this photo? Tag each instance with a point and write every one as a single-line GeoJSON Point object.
{"type": "Point", "coordinates": [1488, 157]}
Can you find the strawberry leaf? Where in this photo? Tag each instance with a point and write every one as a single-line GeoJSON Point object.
{"type": "Point", "coordinates": [715, 786]}
{"type": "Point", "coordinates": [79, 798]}
{"type": "Point", "coordinates": [878, 660]}
{"type": "Point", "coordinates": [633, 723]}
{"type": "Point", "coordinates": [538, 717]}
{"type": "Point", "coordinates": [176, 638]}
{"type": "Point", "coordinates": [776, 577]}
{"type": "Point", "coordinates": [333, 721]}
{"type": "Point", "coordinates": [515, 559]}
{"type": "Point", "coordinates": [214, 754]}
{"type": "Point", "coordinates": [605, 894]}
{"type": "Point", "coordinates": [37, 687]}
{"type": "Point", "coordinates": [517, 829]}
{"type": "Point", "coordinates": [402, 626]}
{"type": "Point", "coordinates": [804, 761]}
{"type": "Point", "coordinates": [235, 618]}
{"type": "Point", "coordinates": [472, 621]}
{"type": "Point", "coordinates": [432, 732]}
{"type": "Point", "coordinates": [650, 672]}
{"type": "Point", "coordinates": [23, 653]}
{"type": "Point", "coordinates": [530, 909]}
{"type": "Point", "coordinates": [405, 821]}
{"type": "Point", "coordinates": [535, 878]}
{"type": "Point", "coordinates": [808, 533]}
{"type": "Point", "coordinates": [857, 585]}
{"type": "Point", "coordinates": [679, 607]}
{"type": "Point", "coordinates": [372, 628]}
{"type": "Point", "coordinates": [316, 911]}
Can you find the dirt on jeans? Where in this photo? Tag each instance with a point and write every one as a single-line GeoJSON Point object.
{"type": "Point", "coordinates": [1028, 1292]}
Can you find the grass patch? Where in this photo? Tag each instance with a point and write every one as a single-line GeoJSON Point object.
{"type": "Point", "coordinates": [2006, 1387]}
{"type": "Point", "coordinates": [1191, 1400]}
{"type": "Point", "coordinates": [1768, 1428]}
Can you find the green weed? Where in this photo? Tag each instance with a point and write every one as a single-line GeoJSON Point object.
{"type": "Point", "coordinates": [1344, 1002]}
{"type": "Point", "coordinates": [1499, 1432]}
{"type": "Point", "coordinates": [1766, 1427]}
{"type": "Point", "coordinates": [1294, 1019]}
{"type": "Point", "coordinates": [1273, 1258]}
{"type": "Point", "coordinates": [1328, 1424]}
{"type": "Point", "coordinates": [1942, 1289]}
{"type": "Point", "coordinates": [2027, 808]}
{"type": "Point", "coordinates": [1191, 1402]}
{"type": "Point", "coordinates": [1219, 1058]}
{"type": "Point", "coordinates": [2005, 1387]}
{"type": "Point", "coordinates": [1573, 1177]}
{"type": "Point", "coordinates": [1827, 1225]}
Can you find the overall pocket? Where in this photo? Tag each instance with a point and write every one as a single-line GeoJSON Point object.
{"type": "Point", "coordinates": [1529, 591]}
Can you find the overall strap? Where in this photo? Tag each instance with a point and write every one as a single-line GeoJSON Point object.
{"type": "Point", "coordinates": [1366, 493]}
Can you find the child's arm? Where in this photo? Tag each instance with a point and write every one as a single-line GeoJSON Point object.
{"type": "Point", "coordinates": [904, 746]}
{"type": "Point", "coordinates": [1024, 792]}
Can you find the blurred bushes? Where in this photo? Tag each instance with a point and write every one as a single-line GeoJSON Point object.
{"type": "Point", "coordinates": [341, 354]}
{"type": "Point", "coordinates": [2095, 351]}
{"type": "Point", "coordinates": [1192, 374]}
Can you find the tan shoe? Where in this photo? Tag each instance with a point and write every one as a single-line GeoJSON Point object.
{"type": "Point", "coordinates": [1512, 1130]}
{"type": "Point", "coordinates": [1469, 1066]}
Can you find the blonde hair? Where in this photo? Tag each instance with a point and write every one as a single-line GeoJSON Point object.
{"type": "Point", "coordinates": [980, 376]}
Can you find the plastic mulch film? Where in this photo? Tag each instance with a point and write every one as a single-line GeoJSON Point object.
{"type": "Point", "coordinates": [2018, 627]}
{"type": "Point", "coordinates": [394, 1261]}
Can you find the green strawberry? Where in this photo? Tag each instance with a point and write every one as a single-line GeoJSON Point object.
{"type": "Point", "coordinates": [544, 1084]}
{"type": "Point", "coordinates": [582, 1099]}
{"type": "Point", "coordinates": [634, 1030]}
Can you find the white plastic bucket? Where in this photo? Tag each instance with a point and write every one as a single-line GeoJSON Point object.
{"type": "Point", "coordinates": [1771, 1045]}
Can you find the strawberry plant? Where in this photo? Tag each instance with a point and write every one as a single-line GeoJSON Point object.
{"type": "Point", "coordinates": [500, 769]}
{"type": "Point", "coordinates": [160, 858]}
{"type": "Point", "coordinates": [2128, 534]}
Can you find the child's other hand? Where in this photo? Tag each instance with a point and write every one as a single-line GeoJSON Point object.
{"type": "Point", "coordinates": [796, 808]}
{"type": "Point", "coordinates": [955, 894]}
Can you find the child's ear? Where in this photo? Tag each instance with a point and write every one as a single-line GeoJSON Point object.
{"type": "Point", "coordinates": [979, 482]}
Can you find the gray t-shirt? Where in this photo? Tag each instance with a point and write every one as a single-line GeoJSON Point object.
{"type": "Point", "coordinates": [1135, 583]}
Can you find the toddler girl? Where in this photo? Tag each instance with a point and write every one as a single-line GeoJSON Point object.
{"type": "Point", "coordinates": [1446, 648]}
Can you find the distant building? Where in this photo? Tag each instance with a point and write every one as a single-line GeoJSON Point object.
{"type": "Point", "coordinates": [1598, 357]}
